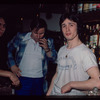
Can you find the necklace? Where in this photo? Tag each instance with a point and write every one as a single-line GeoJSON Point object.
{"type": "Point", "coordinates": [67, 53]}
{"type": "Point", "coordinates": [66, 56]}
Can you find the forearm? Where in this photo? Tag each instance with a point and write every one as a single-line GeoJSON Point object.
{"type": "Point", "coordinates": [89, 84]}
{"type": "Point", "coordinates": [5, 73]}
{"type": "Point", "coordinates": [51, 54]}
{"type": "Point", "coordinates": [50, 50]}
{"type": "Point", "coordinates": [48, 53]}
{"type": "Point", "coordinates": [11, 76]}
{"type": "Point", "coordinates": [81, 85]}
{"type": "Point", "coordinates": [85, 85]}
{"type": "Point", "coordinates": [51, 85]}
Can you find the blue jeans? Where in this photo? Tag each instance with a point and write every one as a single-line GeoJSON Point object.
{"type": "Point", "coordinates": [30, 86]}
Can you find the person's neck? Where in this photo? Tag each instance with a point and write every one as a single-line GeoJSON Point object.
{"type": "Point", "coordinates": [73, 43]}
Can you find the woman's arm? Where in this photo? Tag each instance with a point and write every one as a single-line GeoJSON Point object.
{"type": "Point", "coordinates": [13, 77]}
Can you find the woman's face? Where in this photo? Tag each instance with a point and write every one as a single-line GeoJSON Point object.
{"type": "Point", "coordinates": [69, 29]}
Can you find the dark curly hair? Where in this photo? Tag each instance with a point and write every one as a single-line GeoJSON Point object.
{"type": "Point", "coordinates": [74, 17]}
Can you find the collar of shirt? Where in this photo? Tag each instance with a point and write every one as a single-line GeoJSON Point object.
{"type": "Point", "coordinates": [28, 37]}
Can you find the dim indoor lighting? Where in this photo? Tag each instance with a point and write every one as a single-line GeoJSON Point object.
{"type": "Point", "coordinates": [21, 19]}
{"type": "Point", "coordinates": [37, 15]}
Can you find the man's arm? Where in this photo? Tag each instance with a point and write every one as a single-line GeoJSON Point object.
{"type": "Point", "coordinates": [51, 52]}
{"type": "Point", "coordinates": [16, 70]}
{"type": "Point", "coordinates": [89, 84]}
{"type": "Point", "coordinates": [52, 83]}
{"type": "Point", "coordinates": [12, 47]}
{"type": "Point", "coordinates": [48, 46]}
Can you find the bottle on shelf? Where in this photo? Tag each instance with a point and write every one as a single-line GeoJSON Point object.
{"type": "Point", "coordinates": [85, 37]}
{"type": "Point", "coordinates": [94, 40]}
{"type": "Point", "coordinates": [91, 36]}
{"type": "Point", "coordinates": [74, 8]}
{"type": "Point", "coordinates": [99, 62]}
{"type": "Point", "coordinates": [94, 6]}
{"type": "Point", "coordinates": [87, 34]}
{"type": "Point", "coordinates": [86, 7]}
{"type": "Point", "coordinates": [99, 58]}
{"type": "Point", "coordinates": [98, 6]}
{"type": "Point", "coordinates": [80, 8]}
{"type": "Point", "coordinates": [95, 35]}
{"type": "Point", "coordinates": [90, 7]}
{"type": "Point", "coordinates": [93, 48]}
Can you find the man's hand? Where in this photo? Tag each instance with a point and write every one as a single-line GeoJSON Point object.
{"type": "Point", "coordinates": [66, 88]}
{"type": "Point", "coordinates": [16, 70]}
{"type": "Point", "coordinates": [14, 79]}
{"type": "Point", "coordinates": [44, 43]}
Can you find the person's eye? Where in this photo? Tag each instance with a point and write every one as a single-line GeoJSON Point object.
{"type": "Point", "coordinates": [41, 33]}
{"type": "Point", "coordinates": [35, 32]}
{"type": "Point", "coordinates": [63, 26]}
{"type": "Point", "coordinates": [71, 25]}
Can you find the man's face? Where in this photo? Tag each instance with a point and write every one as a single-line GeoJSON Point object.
{"type": "Point", "coordinates": [2, 26]}
{"type": "Point", "coordinates": [69, 29]}
{"type": "Point", "coordinates": [38, 34]}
